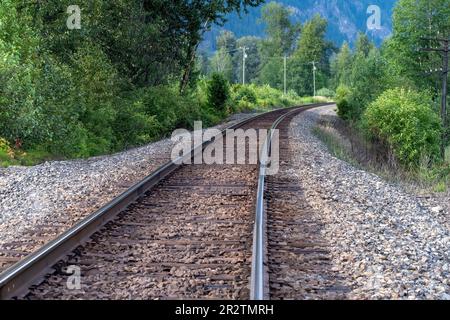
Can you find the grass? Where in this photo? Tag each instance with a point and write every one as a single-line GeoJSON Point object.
{"type": "Point", "coordinates": [334, 144]}
{"type": "Point", "coordinates": [340, 145]}
{"type": "Point", "coordinates": [29, 158]}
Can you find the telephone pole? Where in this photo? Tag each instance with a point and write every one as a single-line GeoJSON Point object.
{"type": "Point", "coordinates": [314, 76]}
{"type": "Point", "coordinates": [244, 57]}
{"type": "Point", "coordinates": [443, 51]}
{"type": "Point", "coordinates": [285, 75]}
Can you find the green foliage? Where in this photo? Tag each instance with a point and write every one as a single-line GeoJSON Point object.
{"type": "Point", "coordinates": [226, 40]}
{"type": "Point", "coordinates": [405, 120]}
{"type": "Point", "coordinates": [363, 45]}
{"type": "Point", "coordinates": [6, 151]}
{"type": "Point", "coordinates": [344, 108]}
{"type": "Point", "coordinates": [341, 67]}
{"type": "Point", "coordinates": [253, 61]}
{"type": "Point", "coordinates": [271, 73]}
{"type": "Point", "coordinates": [361, 82]}
{"type": "Point", "coordinates": [244, 93]}
{"type": "Point", "coordinates": [367, 81]}
{"type": "Point", "coordinates": [325, 92]}
{"type": "Point", "coordinates": [312, 46]}
{"type": "Point", "coordinates": [282, 35]}
{"type": "Point", "coordinates": [251, 97]}
{"type": "Point", "coordinates": [218, 92]}
{"type": "Point", "coordinates": [78, 93]}
{"type": "Point", "coordinates": [412, 20]}
{"type": "Point", "coordinates": [222, 62]}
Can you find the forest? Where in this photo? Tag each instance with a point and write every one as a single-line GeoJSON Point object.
{"type": "Point", "coordinates": [128, 75]}
{"type": "Point", "coordinates": [133, 72]}
{"type": "Point", "coordinates": [389, 101]}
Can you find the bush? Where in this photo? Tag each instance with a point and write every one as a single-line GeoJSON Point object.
{"type": "Point", "coordinates": [218, 92]}
{"type": "Point", "coordinates": [325, 92]}
{"type": "Point", "coordinates": [5, 147]}
{"type": "Point", "coordinates": [250, 97]}
{"type": "Point", "coordinates": [133, 126]}
{"type": "Point", "coordinates": [244, 93]}
{"type": "Point", "coordinates": [344, 108]}
{"type": "Point", "coordinates": [405, 120]}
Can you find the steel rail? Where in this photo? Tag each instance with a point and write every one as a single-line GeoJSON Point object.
{"type": "Point", "coordinates": [16, 280]}
{"type": "Point", "coordinates": [259, 273]}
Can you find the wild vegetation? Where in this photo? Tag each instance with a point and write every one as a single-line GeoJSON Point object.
{"type": "Point", "coordinates": [385, 97]}
{"type": "Point", "coordinates": [131, 74]}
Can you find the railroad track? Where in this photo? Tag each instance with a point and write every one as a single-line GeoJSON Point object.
{"type": "Point", "coordinates": [298, 259]}
{"type": "Point", "coordinates": [186, 231]}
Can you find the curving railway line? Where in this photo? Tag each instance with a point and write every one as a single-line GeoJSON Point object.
{"type": "Point", "coordinates": [187, 231]}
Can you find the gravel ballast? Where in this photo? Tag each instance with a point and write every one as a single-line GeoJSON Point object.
{"type": "Point", "coordinates": [385, 241]}
{"type": "Point", "coordinates": [60, 193]}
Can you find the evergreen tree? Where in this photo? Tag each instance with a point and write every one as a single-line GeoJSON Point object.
{"type": "Point", "coordinates": [282, 34]}
{"type": "Point", "coordinates": [363, 45]}
{"type": "Point", "coordinates": [312, 47]}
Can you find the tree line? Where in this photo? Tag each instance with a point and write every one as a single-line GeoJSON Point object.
{"type": "Point", "coordinates": [127, 76]}
{"type": "Point", "coordinates": [301, 44]}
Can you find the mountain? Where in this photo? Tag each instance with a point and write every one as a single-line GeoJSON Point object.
{"type": "Point", "coordinates": [345, 19]}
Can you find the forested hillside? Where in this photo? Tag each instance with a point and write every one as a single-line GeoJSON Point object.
{"type": "Point", "coordinates": [345, 19]}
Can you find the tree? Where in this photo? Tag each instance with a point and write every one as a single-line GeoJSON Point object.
{"type": "Point", "coordinates": [341, 66]}
{"type": "Point", "coordinates": [281, 37]}
{"type": "Point", "coordinates": [196, 17]}
{"type": "Point", "coordinates": [253, 61]}
{"type": "Point", "coordinates": [202, 63]}
{"type": "Point", "coordinates": [367, 80]}
{"type": "Point", "coordinates": [412, 20]}
{"type": "Point", "coordinates": [224, 60]}
{"type": "Point", "coordinates": [222, 63]}
{"type": "Point", "coordinates": [312, 47]}
{"type": "Point", "coordinates": [227, 41]}
{"type": "Point", "coordinates": [363, 44]}
{"type": "Point", "coordinates": [218, 92]}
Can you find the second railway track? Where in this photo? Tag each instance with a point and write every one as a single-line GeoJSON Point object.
{"type": "Point", "coordinates": [189, 236]}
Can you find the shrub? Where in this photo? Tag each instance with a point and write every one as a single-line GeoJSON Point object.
{"type": "Point", "coordinates": [325, 92]}
{"type": "Point", "coordinates": [405, 120]}
{"type": "Point", "coordinates": [218, 92]}
{"type": "Point", "coordinates": [5, 147]}
{"type": "Point", "coordinates": [244, 93]}
{"type": "Point", "coordinates": [133, 126]}
{"type": "Point", "coordinates": [170, 108]}
{"type": "Point", "coordinates": [344, 109]}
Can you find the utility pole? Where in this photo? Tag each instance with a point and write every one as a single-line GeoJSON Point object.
{"type": "Point", "coordinates": [443, 51]}
{"type": "Point", "coordinates": [244, 57]}
{"type": "Point", "coordinates": [314, 77]}
{"type": "Point", "coordinates": [285, 75]}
